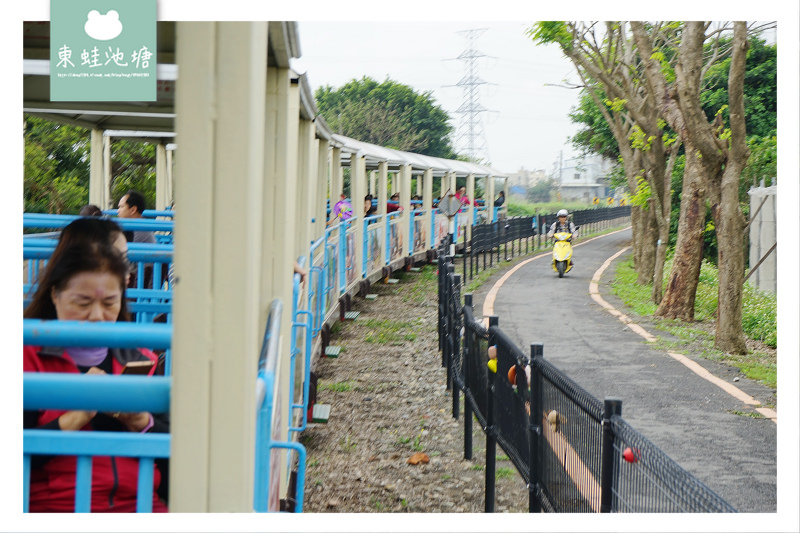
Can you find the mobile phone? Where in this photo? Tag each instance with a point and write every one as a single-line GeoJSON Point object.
{"type": "Point", "coordinates": [138, 367]}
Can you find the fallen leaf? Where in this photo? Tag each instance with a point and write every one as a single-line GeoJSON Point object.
{"type": "Point", "coordinates": [418, 458]}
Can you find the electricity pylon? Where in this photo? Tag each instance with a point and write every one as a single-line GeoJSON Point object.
{"type": "Point", "coordinates": [469, 137]}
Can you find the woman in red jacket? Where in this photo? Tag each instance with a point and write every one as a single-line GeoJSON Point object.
{"type": "Point", "coordinates": [86, 281]}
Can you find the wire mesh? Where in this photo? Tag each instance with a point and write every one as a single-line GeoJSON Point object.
{"type": "Point", "coordinates": [648, 481]}
{"type": "Point", "coordinates": [475, 363]}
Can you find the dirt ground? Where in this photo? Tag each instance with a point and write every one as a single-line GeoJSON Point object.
{"type": "Point", "coordinates": [391, 443]}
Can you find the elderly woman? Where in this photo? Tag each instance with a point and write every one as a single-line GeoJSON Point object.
{"type": "Point", "coordinates": [86, 281]}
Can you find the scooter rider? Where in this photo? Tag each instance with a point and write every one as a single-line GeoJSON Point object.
{"type": "Point", "coordinates": [563, 225]}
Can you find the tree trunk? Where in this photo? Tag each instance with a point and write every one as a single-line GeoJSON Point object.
{"type": "Point", "coordinates": [644, 240]}
{"type": "Point", "coordinates": [729, 335]}
{"type": "Point", "coordinates": [679, 296]}
{"type": "Point", "coordinates": [660, 258]}
{"type": "Point", "coordinates": [642, 221]}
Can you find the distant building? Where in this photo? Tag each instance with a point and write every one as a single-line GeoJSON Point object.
{"type": "Point", "coordinates": [521, 180]}
{"type": "Point", "coordinates": [583, 179]}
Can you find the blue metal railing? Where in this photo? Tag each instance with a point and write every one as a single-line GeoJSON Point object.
{"type": "Point", "coordinates": [102, 393]}
{"type": "Point", "coordinates": [268, 395]}
{"type": "Point", "coordinates": [295, 350]}
{"type": "Point", "coordinates": [45, 220]}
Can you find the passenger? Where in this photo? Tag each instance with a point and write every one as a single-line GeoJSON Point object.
{"type": "Point", "coordinates": [501, 199]}
{"type": "Point", "coordinates": [132, 205]}
{"type": "Point", "coordinates": [89, 230]}
{"type": "Point", "coordinates": [86, 282]}
{"type": "Point", "coordinates": [394, 203]}
{"type": "Point", "coordinates": [369, 209]}
{"type": "Point", "coordinates": [461, 195]}
{"type": "Point", "coordinates": [90, 210]}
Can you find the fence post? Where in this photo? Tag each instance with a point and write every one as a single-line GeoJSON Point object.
{"type": "Point", "coordinates": [466, 353]}
{"type": "Point", "coordinates": [455, 300]}
{"type": "Point", "coordinates": [491, 440]}
{"type": "Point", "coordinates": [464, 255]}
{"type": "Point", "coordinates": [448, 355]}
{"type": "Point", "coordinates": [440, 271]}
{"type": "Point", "coordinates": [609, 457]}
{"type": "Point", "coordinates": [535, 429]}
{"type": "Point", "coordinates": [448, 261]}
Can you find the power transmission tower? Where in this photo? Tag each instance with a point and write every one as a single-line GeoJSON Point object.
{"type": "Point", "coordinates": [469, 138]}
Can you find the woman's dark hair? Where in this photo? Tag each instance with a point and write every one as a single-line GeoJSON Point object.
{"type": "Point", "coordinates": [90, 210]}
{"type": "Point", "coordinates": [85, 246]}
{"type": "Point", "coordinates": [83, 231]}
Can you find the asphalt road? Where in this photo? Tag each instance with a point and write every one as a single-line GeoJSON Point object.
{"type": "Point", "coordinates": [699, 425]}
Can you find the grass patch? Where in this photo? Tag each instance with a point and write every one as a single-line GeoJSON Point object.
{"type": "Point", "coordinates": [347, 444]}
{"type": "Point", "coordinates": [751, 414]}
{"type": "Point", "coordinates": [426, 281]}
{"type": "Point", "coordinates": [504, 473]}
{"type": "Point", "coordinates": [759, 320]}
{"type": "Point", "coordinates": [341, 386]}
{"type": "Point", "coordinates": [386, 331]}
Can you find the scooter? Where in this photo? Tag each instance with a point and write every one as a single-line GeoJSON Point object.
{"type": "Point", "coordinates": [562, 252]}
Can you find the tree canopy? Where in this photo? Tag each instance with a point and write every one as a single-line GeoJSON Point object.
{"type": "Point", "coordinates": [56, 174]}
{"type": "Point", "coordinates": [387, 114]}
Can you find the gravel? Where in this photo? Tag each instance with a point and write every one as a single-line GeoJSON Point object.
{"type": "Point", "coordinates": [391, 443]}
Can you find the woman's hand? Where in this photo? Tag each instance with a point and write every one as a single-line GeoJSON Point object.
{"type": "Point", "coordinates": [75, 420]}
{"type": "Point", "coordinates": [135, 422]}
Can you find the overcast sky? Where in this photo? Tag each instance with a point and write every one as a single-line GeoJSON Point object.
{"type": "Point", "coordinates": [525, 121]}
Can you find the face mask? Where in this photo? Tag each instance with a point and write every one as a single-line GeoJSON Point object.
{"type": "Point", "coordinates": [87, 356]}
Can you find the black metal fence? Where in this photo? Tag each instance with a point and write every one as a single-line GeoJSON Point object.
{"type": "Point", "coordinates": [493, 242]}
{"type": "Point", "coordinates": [575, 453]}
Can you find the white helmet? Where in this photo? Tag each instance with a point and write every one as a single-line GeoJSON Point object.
{"type": "Point", "coordinates": [562, 213]}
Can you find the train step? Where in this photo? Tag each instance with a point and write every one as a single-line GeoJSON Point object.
{"type": "Point", "coordinates": [320, 413]}
{"type": "Point", "coordinates": [392, 281]}
{"type": "Point", "coordinates": [371, 297]}
{"type": "Point", "coordinates": [332, 351]}
{"type": "Point", "coordinates": [351, 315]}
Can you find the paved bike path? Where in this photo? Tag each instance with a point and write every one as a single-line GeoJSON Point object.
{"type": "Point", "coordinates": [702, 426]}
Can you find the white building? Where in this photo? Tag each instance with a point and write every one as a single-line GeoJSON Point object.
{"type": "Point", "coordinates": [583, 179]}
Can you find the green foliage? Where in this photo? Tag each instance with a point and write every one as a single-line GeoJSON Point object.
{"type": "Point", "coordinates": [595, 136]}
{"type": "Point", "coordinates": [133, 166]}
{"type": "Point", "coordinates": [763, 164]}
{"type": "Point", "coordinates": [760, 89]}
{"type": "Point", "coordinates": [57, 160]}
{"type": "Point", "coordinates": [539, 192]}
{"type": "Point", "coordinates": [56, 171]}
{"type": "Point", "coordinates": [388, 114]}
{"type": "Point", "coordinates": [526, 209]}
{"type": "Point", "coordinates": [760, 315]}
{"type": "Point", "coordinates": [551, 32]}
{"type": "Point", "coordinates": [642, 195]}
